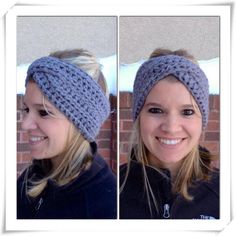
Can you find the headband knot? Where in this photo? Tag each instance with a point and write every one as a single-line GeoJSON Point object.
{"type": "Point", "coordinates": [184, 70]}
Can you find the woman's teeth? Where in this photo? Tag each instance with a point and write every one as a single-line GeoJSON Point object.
{"type": "Point", "coordinates": [37, 139]}
{"type": "Point", "coordinates": [170, 141]}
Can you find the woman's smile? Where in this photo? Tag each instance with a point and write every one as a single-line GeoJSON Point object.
{"type": "Point", "coordinates": [170, 145]}
{"type": "Point", "coordinates": [34, 140]}
{"type": "Point", "coordinates": [170, 125]}
{"type": "Point", "coordinates": [171, 142]}
{"type": "Point", "coordinates": [48, 134]}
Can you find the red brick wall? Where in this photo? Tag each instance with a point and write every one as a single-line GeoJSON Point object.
{"type": "Point", "coordinates": [106, 140]}
{"type": "Point", "coordinates": [209, 139]}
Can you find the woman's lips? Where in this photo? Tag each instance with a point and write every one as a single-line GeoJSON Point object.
{"type": "Point", "coordinates": [170, 142]}
{"type": "Point", "coordinates": [33, 140]}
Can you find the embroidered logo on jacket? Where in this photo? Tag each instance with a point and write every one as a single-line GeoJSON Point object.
{"type": "Point", "coordinates": [204, 217]}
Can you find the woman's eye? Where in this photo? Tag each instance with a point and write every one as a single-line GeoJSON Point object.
{"type": "Point", "coordinates": [188, 112]}
{"type": "Point", "coordinates": [43, 113]}
{"type": "Point", "coordinates": [25, 110]}
{"type": "Point", "coordinates": [155, 110]}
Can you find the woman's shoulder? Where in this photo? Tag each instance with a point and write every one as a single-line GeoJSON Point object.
{"type": "Point", "coordinates": [131, 170]}
{"type": "Point", "coordinates": [135, 170]}
{"type": "Point", "coordinates": [210, 186]}
{"type": "Point", "coordinates": [213, 184]}
{"type": "Point", "coordinates": [123, 168]}
{"type": "Point", "coordinates": [98, 174]}
{"type": "Point", "coordinates": [25, 174]}
{"type": "Point", "coordinates": [98, 169]}
{"type": "Point", "coordinates": [98, 180]}
{"type": "Point", "coordinates": [99, 187]}
{"type": "Point", "coordinates": [34, 170]}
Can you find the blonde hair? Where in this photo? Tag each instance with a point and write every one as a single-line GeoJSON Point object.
{"type": "Point", "coordinates": [86, 61]}
{"type": "Point", "coordinates": [74, 158]}
{"type": "Point", "coordinates": [195, 166]}
{"type": "Point", "coordinates": [77, 154]}
{"type": "Point", "coordinates": [180, 52]}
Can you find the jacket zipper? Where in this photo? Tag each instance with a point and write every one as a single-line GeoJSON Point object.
{"type": "Point", "coordinates": [166, 213]}
{"type": "Point", "coordinates": [38, 205]}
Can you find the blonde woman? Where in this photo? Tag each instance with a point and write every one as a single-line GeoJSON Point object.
{"type": "Point", "coordinates": [64, 109]}
{"type": "Point", "coordinates": [168, 175]}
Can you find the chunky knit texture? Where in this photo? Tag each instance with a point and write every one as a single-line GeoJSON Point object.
{"type": "Point", "coordinates": [183, 69]}
{"type": "Point", "coordinates": [73, 92]}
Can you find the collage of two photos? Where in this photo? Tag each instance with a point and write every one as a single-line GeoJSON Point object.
{"type": "Point", "coordinates": [134, 140]}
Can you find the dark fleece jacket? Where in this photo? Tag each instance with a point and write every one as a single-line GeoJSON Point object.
{"type": "Point", "coordinates": [92, 195]}
{"type": "Point", "coordinates": [134, 202]}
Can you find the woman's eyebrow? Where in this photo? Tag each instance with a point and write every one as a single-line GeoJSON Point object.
{"type": "Point", "coordinates": [187, 106]}
{"type": "Point", "coordinates": [41, 105]}
{"type": "Point", "coordinates": [149, 104]}
{"type": "Point", "coordinates": [153, 104]}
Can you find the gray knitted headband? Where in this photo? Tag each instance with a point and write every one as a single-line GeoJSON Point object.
{"type": "Point", "coordinates": [184, 70]}
{"type": "Point", "coordinates": [73, 92]}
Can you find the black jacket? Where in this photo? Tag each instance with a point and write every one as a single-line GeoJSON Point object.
{"type": "Point", "coordinates": [92, 195]}
{"type": "Point", "coordinates": [134, 203]}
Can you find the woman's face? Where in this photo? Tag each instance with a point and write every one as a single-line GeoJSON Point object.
{"type": "Point", "coordinates": [170, 123]}
{"type": "Point", "coordinates": [48, 133]}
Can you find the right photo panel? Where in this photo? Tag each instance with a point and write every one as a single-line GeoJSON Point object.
{"type": "Point", "coordinates": [169, 117]}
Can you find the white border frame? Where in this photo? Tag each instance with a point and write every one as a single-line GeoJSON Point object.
{"type": "Point", "coordinates": [117, 225]}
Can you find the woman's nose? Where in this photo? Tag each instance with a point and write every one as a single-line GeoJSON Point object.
{"type": "Point", "coordinates": [171, 124]}
{"type": "Point", "coordinates": [28, 122]}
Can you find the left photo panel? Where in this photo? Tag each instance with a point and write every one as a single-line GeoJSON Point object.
{"type": "Point", "coordinates": [66, 117]}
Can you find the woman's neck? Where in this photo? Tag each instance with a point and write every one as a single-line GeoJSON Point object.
{"type": "Point", "coordinates": [172, 167]}
{"type": "Point", "coordinates": [56, 161]}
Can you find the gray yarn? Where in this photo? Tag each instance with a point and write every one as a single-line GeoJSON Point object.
{"type": "Point", "coordinates": [184, 70]}
{"type": "Point", "coordinates": [73, 92]}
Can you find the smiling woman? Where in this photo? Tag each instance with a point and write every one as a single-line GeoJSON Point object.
{"type": "Point", "coordinates": [47, 127]}
{"type": "Point", "coordinates": [169, 125]}
{"type": "Point", "coordinates": [64, 108]}
{"type": "Point", "coordinates": [168, 175]}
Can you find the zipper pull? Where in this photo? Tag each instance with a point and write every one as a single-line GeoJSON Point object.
{"type": "Point", "coordinates": [39, 204]}
{"type": "Point", "coordinates": [166, 213]}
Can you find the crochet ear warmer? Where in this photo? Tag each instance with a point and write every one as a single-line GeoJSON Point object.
{"type": "Point", "coordinates": [73, 92]}
{"type": "Point", "coordinates": [183, 69]}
